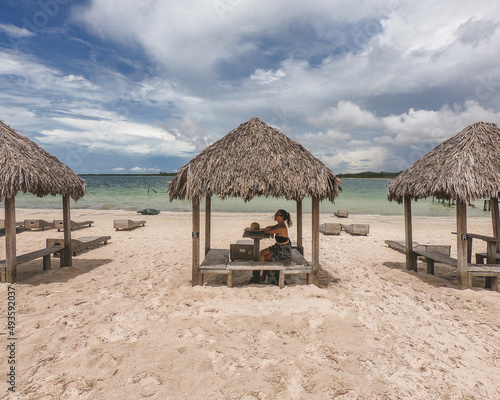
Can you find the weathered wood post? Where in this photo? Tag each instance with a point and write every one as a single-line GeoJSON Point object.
{"type": "Point", "coordinates": [495, 217]}
{"type": "Point", "coordinates": [411, 257]}
{"type": "Point", "coordinates": [208, 223]}
{"type": "Point", "coordinates": [300, 246]}
{"type": "Point", "coordinates": [10, 240]}
{"type": "Point", "coordinates": [67, 252]}
{"type": "Point", "coordinates": [315, 239]}
{"type": "Point", "coordinates": [462, 263]}
{"type": "Point", "coordinates": [196, 242]}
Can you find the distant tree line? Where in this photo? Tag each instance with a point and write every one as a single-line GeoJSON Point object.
{"type": "Point", "coordinates": [157, 174]}
{"type": "Point", "coordinates": [368, 174]}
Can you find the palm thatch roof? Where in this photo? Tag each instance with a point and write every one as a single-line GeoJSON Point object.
{"type": "Point", "coordinates": [26, 167]}
{"type": "Point", "coordinates": [465, 167]}
{"type": "Point", "coordinates": [255, 160]}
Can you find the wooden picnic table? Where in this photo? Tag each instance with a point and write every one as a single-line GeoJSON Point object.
{"type": "Point", "coordinates": [491, 246]}
{"type": "Point", "coordinates": [257, 236]}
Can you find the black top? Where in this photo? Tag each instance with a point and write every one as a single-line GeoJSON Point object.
{"type": "Point", "coordinates": [281, 239]}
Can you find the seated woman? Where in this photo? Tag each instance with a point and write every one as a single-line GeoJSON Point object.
{"type": "Point", "coordinates": [282, 249]}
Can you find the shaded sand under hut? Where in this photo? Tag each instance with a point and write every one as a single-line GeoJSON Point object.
{"type": "Point", "coordinates": [26, 167]}
{"type": "Point", "coordinates": [464, 168]}
{"type": "Point", "coordinates": [254, 160]}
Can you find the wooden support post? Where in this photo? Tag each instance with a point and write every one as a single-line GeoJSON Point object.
{"type": "Point", "coordinates": [411, 257]}
{"type": "Point", "coordinates": [462, 263]}
{"type": "Point", "coordinates": [495, 217]}
{"type": "Point", "coordinates": [208, 223]}
{"type": "Point", "coordinates": [300, 246]}
{"type": "Point", "coordinates": [67, 253]}
{"type": "Point", "coordinates": [195, 279]}
{"type": "Point", "coordinates": [10, 240]}
{"type": "Point", "coordinates": [315, 238]}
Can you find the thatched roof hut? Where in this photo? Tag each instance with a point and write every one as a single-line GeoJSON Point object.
{"type": "Point", "coordinates": [255, 160]}
{"type": "Point", "coordinates": [26, 167]}
{"type": "Point", "coordinates": [465, 167]}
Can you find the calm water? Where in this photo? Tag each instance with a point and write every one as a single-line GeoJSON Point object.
{"type": "Point", "coordinates": [132, 193]}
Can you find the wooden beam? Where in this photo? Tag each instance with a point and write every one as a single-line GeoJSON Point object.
{"type": "Point", "coordinates": [462, 243]}
{"type": "Point", "coordinates": [300, 246]}
{"type": "Point", "coordinates": [411, 257]}
{"type": "Point", "coordinates": [495, 217]}
{"type": "Point", "coordinates": [67, 253]}
{"type": "Point", "coordinates": [208, 223]}
{"type": "Point", "coordinates": [315, 237]}
{"type": "Point", "coordinates": [195, 279]}
{"type": "Point", "coordinates": [10, 240]}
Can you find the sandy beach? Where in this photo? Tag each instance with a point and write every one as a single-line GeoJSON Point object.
{"type": "Point", "coordinates": [124, 321]}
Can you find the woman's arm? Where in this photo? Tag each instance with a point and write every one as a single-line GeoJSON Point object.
{"type": "Point", "coordinates": [271, 229]}
{"type": "Point", "coordinates": [276, 229]}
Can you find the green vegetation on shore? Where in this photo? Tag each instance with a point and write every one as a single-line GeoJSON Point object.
{"type": "Point", "coordinates": [367, 174]}
{"type": "Point", "coordinates": [157, 174]}
{"type": "Point", "coordinates": [373, 175]}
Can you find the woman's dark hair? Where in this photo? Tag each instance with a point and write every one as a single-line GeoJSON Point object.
{"type": "Point", "coordinates": [286, 217]}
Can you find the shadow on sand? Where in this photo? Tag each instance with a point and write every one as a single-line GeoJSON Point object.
{"type": "Point", "coordinates": [31, 273]}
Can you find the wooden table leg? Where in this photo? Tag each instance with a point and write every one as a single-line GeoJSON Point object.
{"type": "Point", "coordinates": [256, 249]}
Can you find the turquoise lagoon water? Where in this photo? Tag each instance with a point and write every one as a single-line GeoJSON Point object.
{"type": "Point", "coordinates": [133, 193]}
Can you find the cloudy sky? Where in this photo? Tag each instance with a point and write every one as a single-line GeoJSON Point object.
{"type": "Point", "coordinates": [143, 86]}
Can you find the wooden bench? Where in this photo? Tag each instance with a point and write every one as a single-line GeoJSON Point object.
{"type": "Point", "coordinates": [59, 224]}
{"type": "Point", "coordinates": [44, 253]}
{"type": "Point", "coordinates": [38, 224]}
{"type": "Point", "coordinates": [217, 261]}
{"type": "Point", "coordinates": [330, 228]}
{"type": "Point", "coordinates": [431, 256]}
{"type": "Point", "coordinates": [127, 224]}
{"type": "Point", "coordinates": [400, 245]}
{"type": "Point", "coordinates": [357, 229]}
{"type": "Point", "coordinates": [80, 243]}
{"type": "Point", "coordinates": [489, 271]}
{"type": "Point", "coordinates": [481, 257]}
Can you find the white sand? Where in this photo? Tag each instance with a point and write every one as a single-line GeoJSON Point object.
{"type": "Point", "coordinates": [125, 323]}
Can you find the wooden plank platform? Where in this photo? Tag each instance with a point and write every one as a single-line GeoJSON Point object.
{"type": "Point", "coordinates": [59, 224]}
{"type": "Point", "coordinates": [330, 228]}
{"type": "Point", "coordinates": [127, 224]}
{"type": "Point", "coordinates": [2, 224]}
{"type": "Point", "coordinates": [400, 245]}
{"type": "Point", "coordinates": [38, 224]}
{"type": "Point", "coordinates": [217, 261]}
{"type": "Point", "coordinates": [80, 243]}
{"type": "Point", "coordinates": [357, 229]}
{"type": "Point", "coordinates": [481, 258]}
{"type": "Point", "coordinates": [489, 271]}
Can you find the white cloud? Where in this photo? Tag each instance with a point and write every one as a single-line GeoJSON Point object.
{"type": "Point", "coordinates": [420, 126]}
{"type": "Point", "coordinates": [15, 31]}
{"type": "Point", "coordinates": [346, 115]}
{"type": "Point", "coordinates": [369, 158]}
{"type": "Point", "coordinates": [118, 169]}
{"type": "Point", "coordinates": [113, 133]}
{"type": "Point", "coordinates": [267, 76]}
{"type": "Point", "coordinates": [354, 75]}
{"type": "Point", "coordinates": [142, 169]}
{"type": "Point", "coordinates": [194, 35]}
